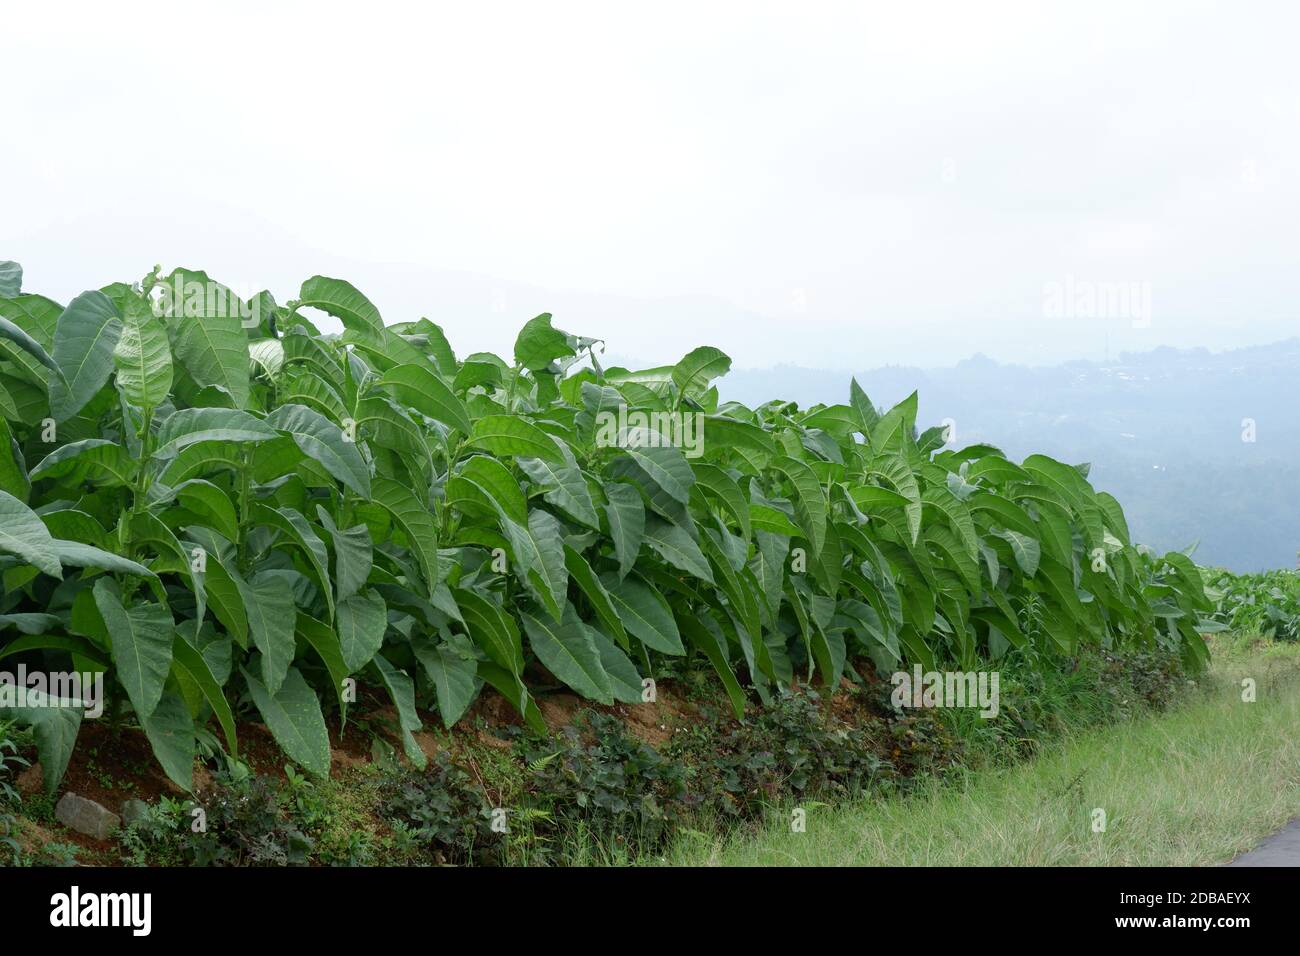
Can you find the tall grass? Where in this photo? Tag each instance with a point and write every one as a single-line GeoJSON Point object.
{"type": "Point", "coordinates": [1196, 785]}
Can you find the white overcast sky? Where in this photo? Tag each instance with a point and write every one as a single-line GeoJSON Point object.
{"type": "Point", "coordinates": [831, 185]}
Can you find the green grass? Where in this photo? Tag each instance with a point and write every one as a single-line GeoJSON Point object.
{"type": "Point", "coordinates": [1196, 785]}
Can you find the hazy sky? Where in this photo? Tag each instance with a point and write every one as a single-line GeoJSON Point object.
{"type": "Point", "coordinates": [831, 185]}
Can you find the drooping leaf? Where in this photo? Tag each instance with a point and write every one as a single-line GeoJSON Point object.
{"type": "Point", "coordinates": [170, 730]}
{"type": "Point", "coordinates": [569, 651]}
{"type": "Point", "coordinates": [294, 717]}
{"type": "Point", "coordinates": [452, 675]}
{"type": "Point", "coordinates": [23, 533]}
{"type": "Point", "coordinates": [142, 637]}
{"type": "Point", "coordinates": [362, 620]}
{"type": "Point", "coordinates": [323, 441]}
{"type": "Point", "coordinates": [342, 300]}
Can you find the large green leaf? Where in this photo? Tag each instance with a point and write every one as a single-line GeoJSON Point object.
{"type": "Point", "coordinates": [493, 630]}
{"type": "Point", "coordinates": [563, 485]}
{"type": "Point", "coordinates": [645, 614]}
{"type": "Point", "coordinates": [452, 674]}
{"type": "Point", "coordinates": [302, 533]}
{"type": "Point", "coordinates": [583, 575]}
{"type": "Point", "coordinates": [91, 459]}
{"type": "Point", "coordinates": [700, 366]}
{"type": "Point", "coordinates": [143, 355]}
{"type": "Point", "coordinates": [55, 730]}
{"type": "Point", "coordinates": [678, 548]}
{"type": "Point", "coordinates": [170, 730]}
{"type": "Point", "coordinates": [539, 344]}
{"type": "Point", "coordinates": [24, 534]}
{"type": "Point", "coordinates": [268, 602]}
{"type": "Point", "coordinates": [810, 507]}
{"type": "Point", "coordinates": [323, 441]}
{"type": "Point", "coordinates": [569, 651]}
{"type": "Point", "coordinates": [294, 717]}
{"type": "Point", "coordinates": [190, 426]}
{"type": "Point", "coordinates": [416, 523]}
{"type": "Point", "coordinates": [142, 636]}
{"type": "Point", "coordinates": [626, 515]}
{"type": "Point", "coordinates": [401, 689]}
{"type": "Point", "coordinates": [84, 341]}
{"type": "Point", "coordinates": [209, 337]}
{"type": "Point", "coordinates": [353, 555]}
{"type": "Point", "coordinates": [421, 389]}
{"type": "Point", "coordinates": [362, 620]}
{"type": "Point", "coordinates": [342, 300]}
{"type": "Point", "coordinates": [507, 435]}
{"type": "Point", "coordinates": [188, 659]}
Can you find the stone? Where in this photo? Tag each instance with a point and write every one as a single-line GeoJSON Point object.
{"type": "Point", "coordinates": [133, 811]}
{"type": "Point", "coordinates": [86, 816]}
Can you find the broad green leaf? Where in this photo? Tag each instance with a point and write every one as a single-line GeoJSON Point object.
{"type": "Point", "coordinates": [78, 555]}
{"type": "Point", "coordinates": [504, 435]}
{"type": "Point", "coordinates": [694, 372]}
{"type": "Point", "coordinates": [492, 630]}
{"type": "Point", "coordinates": [538, 344]}
{"type": "Point", "coordinates": [342, 300]}
{"type": "Point", "coordinates": [91, 459]}
{"type": "Point", "coordinates": [84, 341]}
{"type": "Point", "coordinates": [421, 389]}
{"type": "Point", "coordinates": [353, 555]}
{"type": "Point", "coordinates": [569, 651]}
{"type": "Point", "coordinates": [323, 441]}
{"type": "Point", "coordinates": [624, 680]}
{"type": "Point", "coordinates": [209, 336]}
{"type": "Point", "coordinates": [325, 643]}
{"type": "Point", "coordinates": [170, 730]}
{"type": "Point", "coordinates": [143, 355]}
{"type": "Point", "coordinates": [721, 485]}
{"type": "Point", "coordinates": [493, 480]}
{"type": "Point", "coordinates": [188, 659]}
{"type": "Point", "coordinates": [302, 534]}
{"type": "Point", "coordinates": [142, 637]}
{"type": "Point", "coordinates": [362, 620]}
{"type": "Point", "coordinates": [539, 558]}
{"type": "Point", "coordinates": [677, 548]}
{"type": "Point", "coordinates": [416, 523]}
{"type": "Point", "coordinates": [211, 505]}
{"type": "Point", "coordinates": [810, 508]}
{"type": "Point", "coordinates": [268, 602]}
{"type": "Point", "coordinates": [707, 642]}
{"type": "Point", "coordinates": [645, 614]}
{"type": "Point", "coordinates": [582, 574]}
{"type": "Point", "coordinates": [452, 675]}
{"type": "Point", "coordinates": [190, 426]}
{"type": "Point", "coordinates": [667, 467]}
{"type": "Point", "coordinates": [294, 717]}
{"type": "Point", "coordinates": [24, 534]}
{"type": "Point", "coordinates": [55, 723]}
{"type": "Point", "coordinates": [626, 514]}
{"type": "Point", "coordinates": [563, 485]}
{"type": "Point", "coordinates": [401, 689]}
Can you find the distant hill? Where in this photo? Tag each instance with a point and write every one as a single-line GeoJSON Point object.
{"type": "Point", "coordinates": [1197, 445]}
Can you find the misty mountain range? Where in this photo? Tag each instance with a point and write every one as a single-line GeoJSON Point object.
{"type": "Point", "coordinates": [1200, 447]}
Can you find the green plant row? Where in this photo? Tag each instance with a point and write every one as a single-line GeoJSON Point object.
{"type": "Point", "coordinates": [1266, 603]}
{"type": "Point", "coordinates": [228, 511]}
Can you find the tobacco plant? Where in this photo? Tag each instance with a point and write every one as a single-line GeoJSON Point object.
{"type": "Point", "coordinates": [226, 511]}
